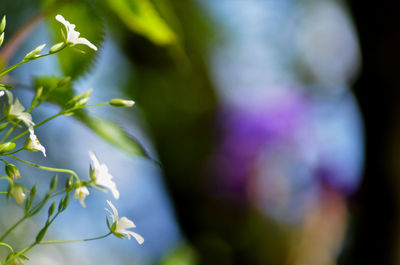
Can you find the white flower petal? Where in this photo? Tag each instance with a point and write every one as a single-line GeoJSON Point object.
{"type": "Point", "coordinates": [34, 144]}
{"type": "Point", "coordinates": [114, 215]}
{"type": "Point", "coordinates": [101, 177]}
{"type": "Point", "coordinates": [124, 223]}
{"type": "Point", "coordinates": [85, 42]}
{"type": "Point", "coordinates": [138, 237]}
{"type": "Point", "coordinates": [16, 111]}
{"type": "Point", "coordinates": [109, 184]}
{"type": "Point", "coordinates": [16, 108]}
{"type": "Point", "coordinates": [81, 193]}
{"type": "Point", "coordinates": [95, 161]}
{"type": "Point", "coordinates": [26, 118]}
{"type": "Point", "coordinates": [61, 19]}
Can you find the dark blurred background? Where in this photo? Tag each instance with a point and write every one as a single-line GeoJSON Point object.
{"type": "Point", "coordinates": [267, 129]}
{"type": "Point", "coordinates": [376, 203]}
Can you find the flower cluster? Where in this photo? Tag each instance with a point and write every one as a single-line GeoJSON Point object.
{"type": "Point", "coordinates": [17, 116]}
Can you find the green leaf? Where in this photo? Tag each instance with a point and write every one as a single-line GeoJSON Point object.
{"type": "Point", "coordinates": [141, 17]}
{"type": "Point", "coordinates": [89, 24]}
{"type": "Point", "coordinates": [113, 134]}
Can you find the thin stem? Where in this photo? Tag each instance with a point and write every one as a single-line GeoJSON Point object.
{"type": "Point", "coordinates": [7, 245]}
{"type": "Point", "coordinates": [19, 253]}
{"type": "Point", "coordinates": [18, 38]}
{"type": "Point", "coordinates": [57, 193]}
{"type": "Point", "coordinates": [37, 125]}
{"type": "Point", "coordinates": [74, 240]}
{"type": "Point", "coordinates": [26, 216]}
{"type": "Point", "coordinates": [3, 192]}
{"type": "Point", "coordinates": [12, 228]}
{"type": "Point", "coordinates": [13, 127]}
{"type": "Point", "coordinates": [96, 105]}
{"type": "Point", "coordinates": [10, 131]}
{"type": "Point", "coordinates": [8, 69]}
{"type": "Point", "coordinates": [12, 67]}
{"type": "Point", "coordinates": [19, 150]}
{"type": "Point", "coordinates": [53, 169]}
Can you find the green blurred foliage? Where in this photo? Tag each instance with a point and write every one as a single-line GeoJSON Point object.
{"type": "Point", "coordinates": [141, 17]}
{"type": "Point", "coordinates": [182, 255]}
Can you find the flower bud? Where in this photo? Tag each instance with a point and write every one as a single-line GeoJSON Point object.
{"type": "Point", "coordinates": [12, 171]}
{"type": "Point", "coordinates": [52, 208]}
{"type": "Point", "coordinates": [65, 203]}
{"type": "Point", "coordinates": [53, 183]}
{"type": "Point", "coordinates": [3, 24]}
{"type": "Point", "coordinates": [7, 147]}
{"type": "Point", "coordinates": [17, 191]}
{"type": "Point", "coordinates": [38, 94]}
{"type": "Point", "coordinates": [78, 100]}
{"type": "Point", "coordinates": [57, 47]}
{"type": "Point", "coordinates": [31, 55]}
{"type": "Point", "coordinates": [85, 98]}
{"type": "Point", "coordinates": [33, 192]}
{"type": "Point", "coordinates": [68, 185]}
{"type": "Point", "coordinates": [118, 102]}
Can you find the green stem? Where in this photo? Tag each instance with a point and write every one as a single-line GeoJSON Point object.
{"type": "Point", "coordinates": [21, 252]}
{"type": "Point", "coordinates": [26, 216]}
{"type": "Point", "coordinates": [13, 127]}
{"type": "Point", "coordinates": [37, 125]}
{"type": "Point", "coordinates": [7, 245]}
{"type": "Point", "coordinates": [12, 228]}
{"type": "Point", "coordinates": [3, 192]}
{"type": "Point", "coordinates": [12, 67]}
{"type": "Point", "coordinates": [19, 150]}
{"type": "Point", "coordinates": [75, 240]}
{"type": "Point", "coordinates": [53, 169]}
{"type": "Point", "coordinates": [96, 105]}
{"type": "Point", "coordinates": [8, 69]}
{"type": "Point", "coordinates": [84, 106]}
{"type": "Point", "coordinates": [55, 116]}
{"type": "Point", "coordinates": [10, 131]}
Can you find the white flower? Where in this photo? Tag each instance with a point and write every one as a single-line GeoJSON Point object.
{"type": "Point", "coordinates": [120, 226]}
{"type": "Point", "coordinates": [2, 93]}
{"type": "Point", "coordinates": [16, 110]}
{"type": "Point", "coordinates": [81, 193]}
{"type": "Point", "coordinates": [32, 144]}
{"type": "Point", "coordinates": [100, 176]}
{"type": "Point", "coordinates": [72, 36]}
